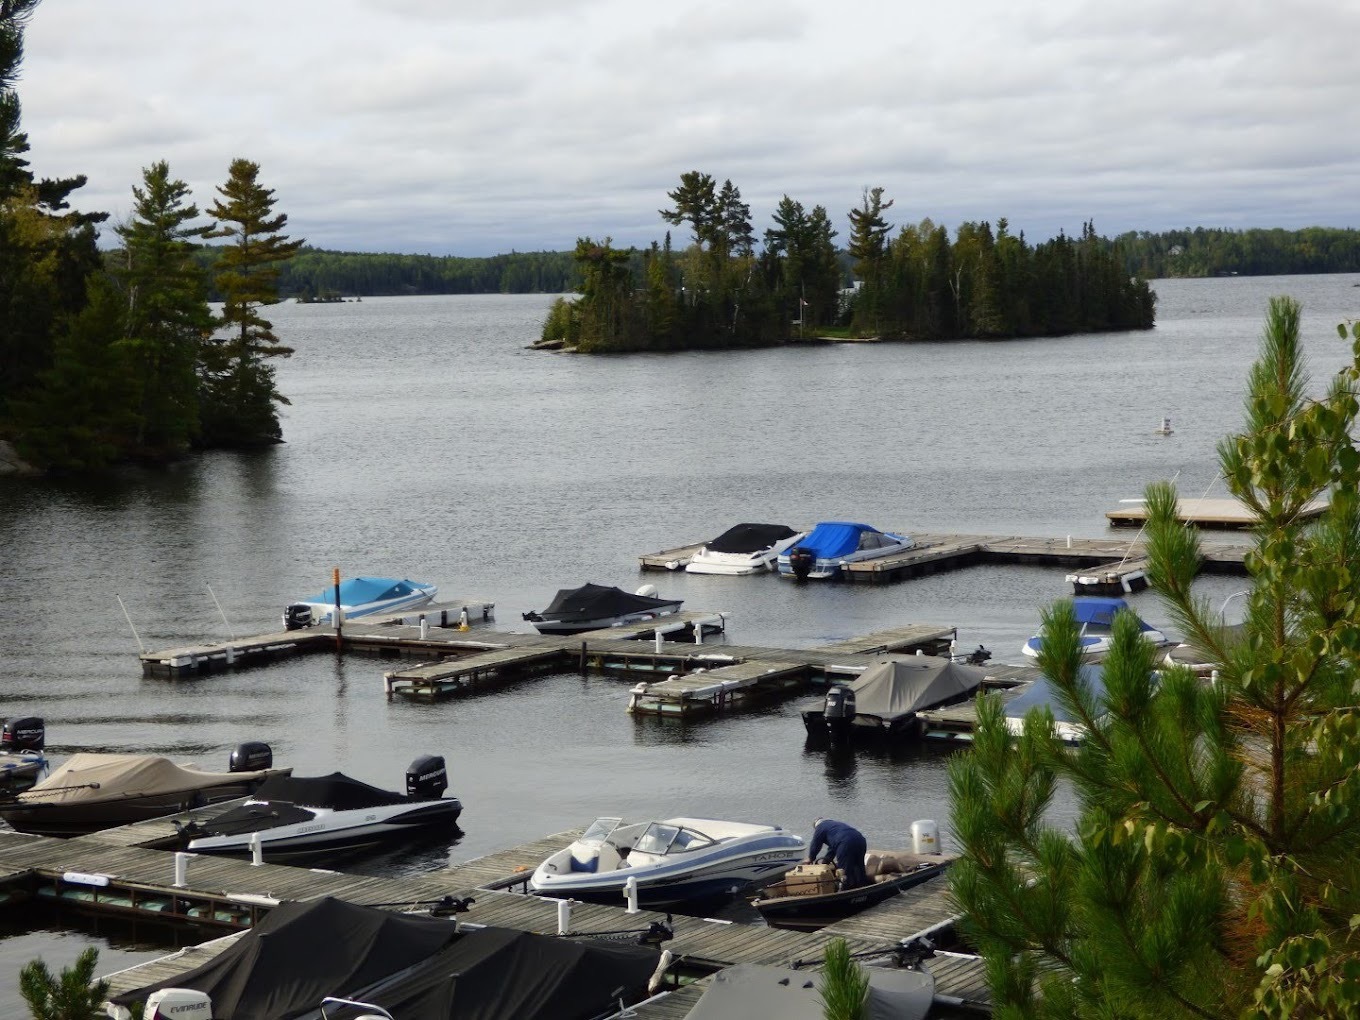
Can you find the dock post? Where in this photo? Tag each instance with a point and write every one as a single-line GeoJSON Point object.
{"type": "Point", "coordinates": [631, 893]}
{"type": "Point", "coordinates": [698, 632]}
{"type": "Point", "coordinates": [256, 850]}
{"type": "Point", "coordinates": [563, 916]}
{"type": "Point", "coordinates": [463, 619]}
{"type": "Point", "coordinates": [660, 640]}
{"type": "Point", "coordinates": [181, 869]}
{"type": "Point", "coordinates": [583, 658]}
{"type": "Point", "coordinates": [231, 656]}
{"type": "Point", "coordinates": [339, 613]}
{"type": "Point", "coordinates": [424, 627]}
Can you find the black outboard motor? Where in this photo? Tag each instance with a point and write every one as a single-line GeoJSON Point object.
{"type": "Point", "coordinates": [801, 561]}
{"type": "Point", "coordinates": [20, 735]}
{"type": "Point", "coordinates": [978, 657]}
{"type": "Point", "coordinates": [252, 756]}
{"type": "Point", "coordinates": [839, 711]}
{"type": "Point", "coordinates": [426, 778]}
{"type": "Point", "coordinates": [297, 616]}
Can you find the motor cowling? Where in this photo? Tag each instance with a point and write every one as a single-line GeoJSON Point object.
{"type": "Point", "coordinates": [840, 704]}
{"type": "Point", "coordinates": [801, 562]}
{"type": "Point", "coordinates": [297, 616]}
{"type": "Point", "coordinates": [252, 756]}
{"type": "Point", "coordinates": [427, 778]}
{"type": "Point", "coordinates": [27, 734]}
{"type": "Point", "coordinates": [178, 1004]}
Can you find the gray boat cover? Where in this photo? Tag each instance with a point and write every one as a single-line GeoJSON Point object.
{"type": "Point", "coordinates": [90, 778]}
{"type": "Point", "coordinates": [755, 991]}
{"type": "Point", "coordinates": [901, 686]}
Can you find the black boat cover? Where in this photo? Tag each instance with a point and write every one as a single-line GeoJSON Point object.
{"type": "Point", "coordinates": [749, 538]}
{"type": "Point", "coordinates": [597, 602]}
{"type": "Point", "coordinates": [336, 790]}
{"type": "Point", "coordinates": [252, 818]}
{"type": "Point", "coordinates": [302, 952]}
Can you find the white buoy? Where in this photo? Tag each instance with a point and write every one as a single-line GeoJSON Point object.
{"type": "Point", "coordinates": [925, 837]}
{"type": "Point", "coordinates": [563, 916]}
{"type": "Point", "coordinates": [256, 850]}
{"type": "Point", "coordinates": [630, 893]}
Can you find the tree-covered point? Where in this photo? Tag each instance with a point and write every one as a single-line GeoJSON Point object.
{"type": "Point", "coordinates": [918, 285]}
{"type": "Point", "coordinates": [315, 273]}
{"type": "Point", "coordinates": [1257, 252]}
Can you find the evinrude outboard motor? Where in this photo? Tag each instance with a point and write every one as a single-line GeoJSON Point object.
{"type": "Point", "coordinates": [801, 561]}
{"type": "Point", "coordinates": [839, 711]}
{"type": "Point", "coordinates": [26, 734]}
{"type": "Point", "coordinates": [178, 1004]}
{"type": "Point", "coordinates": [252, 756]}
{"type": "Point", "coordinates": [426, 778]}
{"type": "Point", "coordinates": [297, 616]}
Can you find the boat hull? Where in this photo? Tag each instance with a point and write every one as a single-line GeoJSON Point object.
{"type": "Point", "coordinates": [324, 613]}
{"type": "Point", "coordinates": [809, 913]}
{"type": "Point", "coordinates": [829, 568]}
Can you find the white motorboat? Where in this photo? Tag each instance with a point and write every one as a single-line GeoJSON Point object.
{"type": "Point", "coordinates": [831, 545]}
{"type": "Point", "coordinates": [295, 816]}
{"type": "Point", "coordinates": [1096, 615]}
{"type": "Point", "coordinates": [674, 860]}
{"type": "Point", "coordinates": [359, 596]}
{"type": "Point", "coordinates": [744, 549]}
{"type": "Point", "coordinates": [596, 607]}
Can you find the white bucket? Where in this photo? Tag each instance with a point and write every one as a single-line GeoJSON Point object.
{"type": "Point", "coordinates": [925, 837]}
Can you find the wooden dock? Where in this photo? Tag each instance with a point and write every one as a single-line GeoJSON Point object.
{"type": "Point", "coordinates": [957, 722]}
{"type": "Point", "coordinates": [1202, 513]}
{"type": "Point", "coordinates": [714, 690]}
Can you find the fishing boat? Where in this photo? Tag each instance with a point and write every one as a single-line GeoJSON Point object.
{"type": "Point", "coordinates": [744, 549]}
{"type": "Point", "coordinates": [809, 905]}
{"type": "Point", "coordinates": [674, 861]}
{"type": "Point", "coordinates": [296, 816]}
{"type": "Point", "coordinates": [831, 545]}
{"type": "Point", "coordinates": [595, 607]}
{"type": "Point", "coordinates": [884, 700]}
{"type": "Point", "coordinates": [90, 792]}
{"type": "Point", "coordinates": [1095, 614]}
{"type": "Point", "coordinates": [359, 596]}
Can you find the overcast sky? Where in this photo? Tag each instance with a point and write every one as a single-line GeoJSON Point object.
{"type": "Point", "coordinates": [452, 127]}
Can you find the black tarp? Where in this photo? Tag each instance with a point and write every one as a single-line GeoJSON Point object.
{"type": "Point", "coordinates": [336, 790]}
{"type": "Point", "coordinates": [749, 538]}
{"type": "Point", "coordinates": [302, 952]}
{"type": "Point", "coordinates": [597, 602]}
{"type": "Point", "coordinates": [502, 974]}
{"type": "Point", "coordinates": [252, 818]}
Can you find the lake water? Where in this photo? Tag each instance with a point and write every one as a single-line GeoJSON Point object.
{"type": "Point", "coordinates": [425, 441]}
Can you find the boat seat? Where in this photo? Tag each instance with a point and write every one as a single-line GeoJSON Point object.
{"type": "Point", "coordinates": [587, 867]}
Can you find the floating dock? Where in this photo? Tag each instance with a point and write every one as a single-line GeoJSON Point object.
{"type": "Point", "coordinates": [957, 722]}
{"type": "Point", "coordinates": [1203, 513]}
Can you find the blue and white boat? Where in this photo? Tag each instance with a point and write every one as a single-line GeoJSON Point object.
{"type": "Point", "coordinates": [674, 861]}
{"type": "Point", "coordinates": [359, 596]}
{"type": "Point", "coordinates": [832, 544]}
{"type": "Point", "coordinates": [1096, 615]}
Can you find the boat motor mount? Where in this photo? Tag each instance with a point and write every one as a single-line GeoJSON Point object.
{"type": "Point", "coordinates": [297, 616]}
{"type": "Point", "coordinates": [426, 778]}
{"type": "Point", "coordinates": [801, 561]}
{"type": "Point", "coordinates": [26, 734]}
{"type": "Point", "coordinates": [252, 756]}
{"type": "Point", "coordinates": [839, 709]}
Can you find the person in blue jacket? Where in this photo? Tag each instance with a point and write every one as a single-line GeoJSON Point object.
{"type": "Point", "coordinates": [843, 843]}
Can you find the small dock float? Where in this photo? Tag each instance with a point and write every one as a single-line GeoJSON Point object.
{"type": "Point", "coordinates": [915, 637]}
{"type": "Point", "coordinates": [712, 690]}
{"type": "Point", "coordinates": [1122, 578]}
{"type": "Point", "coordinates": [1203, 513]}
{"type": "Point", "coordinates": [492, 666]}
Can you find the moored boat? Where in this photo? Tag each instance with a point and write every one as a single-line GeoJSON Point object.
{"type": "Point", "coordinates": [597, 606]}
{"type": "Point", "coordinates": [1095, 615]}
{"type": "Point", "coordinates": [744, 549]}
{"type": "Point", "coordinates": [884, 700]}
{"type": "Point", "coordinates": [22, 762]}
{"type": "Point", "coordinates": [831, 545]}
{"type": "Point", "coordinates": [806, 905]}
{"type": "Point", "coordinates": [357, 597]}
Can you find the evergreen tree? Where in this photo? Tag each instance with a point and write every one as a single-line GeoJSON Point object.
{"type": "Point", "coordinates": [696, 203]}
{"type": "Point", "coordinates": [1213, 870]}
{"type": "Point", "coordinates": [868, 246]}
{"type": "Point", "coordinates": [237, 395]}
{"type": "Point", "coordinates": [75, 995]}
{"type": "Point", "coordinates": [167, 309]}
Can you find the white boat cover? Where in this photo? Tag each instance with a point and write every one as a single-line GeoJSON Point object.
{"type": "Point", "coordinates": [758, 990]}
{"type": "Point", "coordinates": [94, 777]}
{"type": "Point", "coordinates": [901, 686]}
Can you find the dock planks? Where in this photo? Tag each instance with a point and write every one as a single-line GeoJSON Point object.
{"type": "Point", "coordinates": [1203, 513]}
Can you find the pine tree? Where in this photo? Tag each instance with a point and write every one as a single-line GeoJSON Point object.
{"type": "Point", "coordinates": [237, 395]}
{"type": "Point", "coordinates": [75, 995]}
{"type": "Point", "coordinates": [1213, 869]}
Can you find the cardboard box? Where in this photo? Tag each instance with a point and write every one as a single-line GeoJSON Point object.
{"type": "Point", "coordinates": [811, 880]}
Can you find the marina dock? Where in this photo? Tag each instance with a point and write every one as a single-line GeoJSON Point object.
{"type": "Point", "coordinates": [1202, 513]}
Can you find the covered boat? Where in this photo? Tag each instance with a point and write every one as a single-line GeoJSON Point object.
{"type": "Point", "coordinates": [674, 860]}
{"type": "Point", "coordinates": [1041, 693]}
{"type": "Point", "coordinates": [297, 816]}
{"type": "Point", "coordinates": [832, 544]}
{"type": "Point", "coordinates": [595, 606]}
{"type": "Point", "coordinates": [359, 596]}
{"type": "Point", "coordinates": [97, 791]}
{"type": "Point", "coordinates": [886, 697]}
{"type": "Point", "coordinates": [744, 549]}
{"type": "Point", "coordinates": [1096, 614]}
{"type": "Point", "coordinates": [792, 903]}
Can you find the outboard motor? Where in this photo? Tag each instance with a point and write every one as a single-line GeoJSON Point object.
{"type": "Point", "coordinates": [839, 710]}
{"type": "Point", "coordinates": [252, 756]}
{"type": "Point", "coordinates": [978, 657]}
{"type": "Point", "coordinates": [426, 778]}
{"type": "Point", "coordinates": [801, 561]}
{"type": "Point", "coordinates": [178, 1004]}
{"type": "Point", "coordinates": [19, 735]}
{"type": "Point", "coordinates": [297, 616]}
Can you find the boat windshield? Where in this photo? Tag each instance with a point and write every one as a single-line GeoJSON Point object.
{"type": "Point", "coordinates": [662, 839]}
{"type": "Point", "coordinates": [600, 829]}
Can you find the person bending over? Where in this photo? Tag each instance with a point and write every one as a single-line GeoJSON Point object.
{"type": "Point", "coordinates": [843, 843]}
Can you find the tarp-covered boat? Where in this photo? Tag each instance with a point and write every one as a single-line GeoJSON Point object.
{"type": "Point", "coordinates": [97, 791]}
{"type": "Point", "coordinates": [359, 596]}
{"type": "Point", "coordinates": [1095, 614]}
{"type": "Point", "coordinates": [595, 606]}
{"type": "Point", "coordinates": [885, 698]}
{"type": "Point", "coordinates": [744, 549]}
{"type": "Point", "coordinates": [832, 544]}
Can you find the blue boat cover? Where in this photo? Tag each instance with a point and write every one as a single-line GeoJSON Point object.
{"type": "Point", "coordinates": [834, 538]}
{"type": "Point", "coordinates": [358, 591]}
{"type": "Point", "coordinates": [1101, 610]}
{"type": "Point", "coordinates": [1042, 692]}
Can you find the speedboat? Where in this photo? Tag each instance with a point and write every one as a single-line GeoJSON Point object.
{"type": "Point", "coordinates": [884, 700]}
{"type": "Point", "coordinates": [295, 816]}
{"type": "Point", "coordinates": [595, 607]}
{"type": "Point", "coordinates": [832, 544]}
{"type": "Point", "coordinates": [794, 903]}
{"type": "Point", "coordinates": [674, 861]}
{"type": "Point", "coordinates": [744, 549]}
{"type": "Point", "coordinates": [1096, 615]}
{"type": "Point", "coordinates": [1040, 693]}
{"type": "Point", "coordinates": [22, 762]}
{"type": "Point", "coordinates": [359, 596]}
{"type": "Point", "coordinates": [90, 792]}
